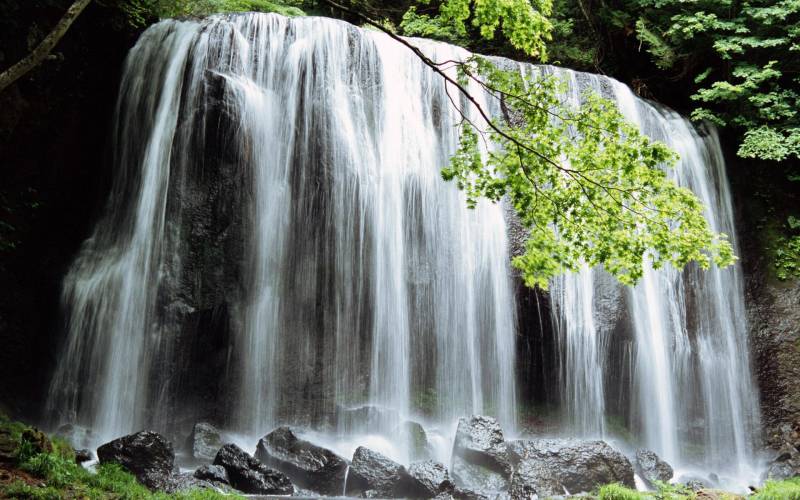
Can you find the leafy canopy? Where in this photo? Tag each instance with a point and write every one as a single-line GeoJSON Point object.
{"type": "Point", "coordinates": [524, 23]}
{"type": "Point", "coordinates": [587, 184]}
{"type": "Point", "coordinates": [746, 58]}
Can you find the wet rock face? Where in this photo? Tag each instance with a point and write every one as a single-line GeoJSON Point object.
{"type": "Point", "coordinates": [145, 454]}
{"type": "Point", "coordinates": [248, 475]}
{"type": "Point", "coordinates": [204, 441]}
{"type": "Point", "coordinates": [548, 467]}
{"type": "Point", "coordinates": [652, 468]}
{"type": "Point", "coordinates": [774, 323]}
{"type": "Point", "coordinates": [308, 465]}
{"type": "Point", "coordinates": [373, 475]}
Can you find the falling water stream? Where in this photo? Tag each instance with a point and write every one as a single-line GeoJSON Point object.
{"type": "Point", "coordinates": [278, 182]}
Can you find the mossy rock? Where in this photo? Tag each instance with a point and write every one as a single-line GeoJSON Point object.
{"type": "Point", "coordinates": [38, 440]}
{"type": "Point", "coordinates": [8, 446]}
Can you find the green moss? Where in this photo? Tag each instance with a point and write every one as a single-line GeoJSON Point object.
{"type": "Point", "coordinates": [779, 490]}
{"type": "Point", "coordinates": [618, 492]}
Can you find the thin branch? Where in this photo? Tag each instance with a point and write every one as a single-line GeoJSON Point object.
{"type": "Point", "coordinates": [44, 48]}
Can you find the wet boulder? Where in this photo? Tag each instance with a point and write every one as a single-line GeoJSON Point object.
{"type": "Point", "coordinates": [651, 468]}
{"type": "Point", "coordinates": [548, 467]}
{"type": "Point", "coordinates": [374, 475]}
{"type": "Point", "coordinates": [145, 454]}
{"type": "Point", "coordinates": [779, 471]}
{"type": "Point", "coordinates": [417, 440]}
{"type": "Point", "coordinates": [215, 474]}
{"type": "Point", "coordinates": [308, 465]}
{"type": "Point", "coordinates": [248, 475]}
{"type": "Point", "coordinates": [83, 455]}
{"type": "Point", "coordinates": [178, 483]}
{"type": "Point", "coordinates": [204, 442]}
{"type": "Point", "coordinates": [480, 458]}
{"type": "Point", "coordinates": [433, 477]}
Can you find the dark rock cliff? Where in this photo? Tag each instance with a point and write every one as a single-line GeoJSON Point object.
{"type": "Point", "coordinates": [763, 195]}
{"type": "Point", "coordinates": [54, 177]}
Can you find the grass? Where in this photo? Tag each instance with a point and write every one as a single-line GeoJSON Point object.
{"type": "Point", "coordinates": [59, 477]}
{"type": "Point", "coordinates": [779, 490]}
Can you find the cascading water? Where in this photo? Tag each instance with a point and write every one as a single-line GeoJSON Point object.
{"type": "Point", "coordinates": [694, 400]}
{"type": "Point", "coordinates": [279, 246]}
{"type": "Point", "coordinates": [363, 277]}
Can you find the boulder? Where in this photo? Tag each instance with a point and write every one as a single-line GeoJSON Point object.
{"type": "Point", "coordinates": [307, 465]}
{"type": "Point", "coordinates": [178, 483]}
{"type": "Point", "coordinates": [548, 467]}
{"type": "Point", "coordinates": [779, 471]}
{"type": "Point", "coordinates": [432, 476]}
{"type": "Point", "coordinates": [37, 440]}
{"type": "Point", "coordinates": [480, 458]}
{"type": "Point", "coordinates": [83, 455]}
{"type": "Point", "coordinates": [204, 442]}
{"type": "Point", "coordinates": [417, 439]}
{"type": "Point", "coordinates": [248, 475]}
{"type": "Point", "coordinates": [651, 468]}
{"type": "Point", "coordinates": [215, 474]}
{"type": "Point", "coordinates": [479, 440]}
{"type": "Point", "coordinates": [145, 454]}
{"type": "Point", "coordinates": [374, 475]}
{"type": "Point", "coordinates": [694, 483]}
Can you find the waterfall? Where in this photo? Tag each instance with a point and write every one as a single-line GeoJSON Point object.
{"type": "Point", "coordinates": [279, 248]}
{"type": "Point", "coordinates": [279, 179]}
{"type": "Point", "coordinates": [693, 397]}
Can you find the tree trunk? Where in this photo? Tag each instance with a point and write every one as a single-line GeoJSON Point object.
{"type": "Point", "coordinates": [42, 50]}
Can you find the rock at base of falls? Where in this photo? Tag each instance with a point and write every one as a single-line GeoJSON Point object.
{"type": "Point", "coordinates": [145, 454]}
{"type": "Point", "coordinates": [548, 467]}
{"type": "Point", "coordinates": [83, 455]}
{"type": "Point", "coordinates": [479, 441]}
{"type": "Point", "coordinates": [308, 465]}
{"type": "Point", "coordinates": [249, 475]}
{"type": "Point", "coordinates": [480, 458]}
{"type": "Point", "coordinates": [786, 463]}
{"type": "Point", "coordinates": [652, 468]}
{"type": "Point", "coordinates": [372, 475]}
{"type": "Point", "coordinates": [417, 439]}
{"type": "Point", "coordinates": [204, 442]}
{"type": "Point", "coordinates": [215, 474]}
{"type": "Point", "coordinates": [433, 476]}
